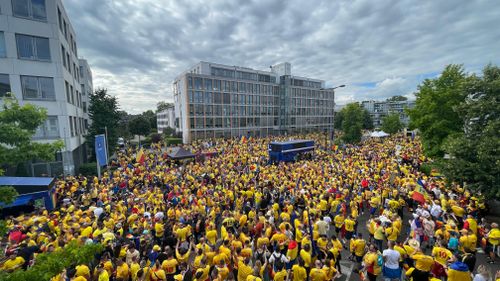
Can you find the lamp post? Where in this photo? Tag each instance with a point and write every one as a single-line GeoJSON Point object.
{"type": "Point", "coordinates": [332, 137]}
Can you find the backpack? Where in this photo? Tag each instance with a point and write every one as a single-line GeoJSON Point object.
{"type": "Point", "coordinates": [278, 263]}
{"type": "Point", "coordinates": [380, 260]}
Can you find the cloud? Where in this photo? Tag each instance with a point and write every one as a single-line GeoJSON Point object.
{"type": "Point", "coordinates": [377, 48]}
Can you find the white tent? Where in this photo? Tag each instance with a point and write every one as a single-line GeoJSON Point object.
{"type": "Point", "coordinates": [379, 134]}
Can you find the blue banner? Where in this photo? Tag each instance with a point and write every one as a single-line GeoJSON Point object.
{"type": "Point", "coordinates": [100, 150]}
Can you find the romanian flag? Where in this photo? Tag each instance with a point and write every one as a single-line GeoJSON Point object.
{"type": "Point", "coordinates": [419, 197]}
{"type": "Point", "coordinates": [243, 140]}
{"type": "Point", "coordinates": [140, 158]}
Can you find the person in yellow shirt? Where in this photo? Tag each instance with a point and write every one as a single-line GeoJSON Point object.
{"type": "Point", "coordinates": [82, 270]}
{"type": "Point", "coordinates": [349, 224]}
{"type": "Point", "coordinates": [305, 255]}
{"type": "Point", "coordinates": [244, 269]}
{"type": "Point", "coordinates": [102, 274]}
{"type": "Point", "coordinates": [317, 273]}
{"type": "Point", "coordinates": [299, 271]}
{"type": "Point", "coordinates": [493, 239]}
{"type": "Point", "coordinates": [13, 263]}
{"type": "Point", "coordinates": [357, 248]}
{"type": "Point", "coordinates": [372, 264]}
{"type": "Point", "coordinates": [122, 270]}
{"type": "Point", "coordinates": [441, 255]}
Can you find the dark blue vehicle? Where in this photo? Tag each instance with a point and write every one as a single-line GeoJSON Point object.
{"type": "Point", "coordinates": [289, 150]}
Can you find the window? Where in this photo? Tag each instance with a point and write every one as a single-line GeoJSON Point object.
{"type": "Point", "coordinates": [59, 19]}
{"type": "Point", "coordinates": [68, 61]}
{"type": "Point", "coordinates": [49, 129]}
{"type": "Point", "coordinates": [4, 84]}
{"type": "Point", "coordinates": [32, 9]}
{"type": "Point", "coordinates": [68, 96]}
{"type": "Point", "coordinates": [65, 29]}
{"type": "Point", "coordinates": [38, 88]}
{"type": "Point", "coordinates": [32, 47]}
{"type": "Point", "coordinates": [72, 95]}
{"type": "Point", "coordinates": [72, 127]}
{"type": "Point", "coordinates": [63, 52]}
{"type": "Point", "coordinates": [3, 51]}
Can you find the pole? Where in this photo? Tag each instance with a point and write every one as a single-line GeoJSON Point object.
{"type": "Point", "coordinates": [106, 140]}
{"type": "Point", "coordinates": [98, 170]}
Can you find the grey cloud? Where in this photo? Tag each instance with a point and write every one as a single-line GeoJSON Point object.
{"type": "Point", "coordinates": [342, 42]}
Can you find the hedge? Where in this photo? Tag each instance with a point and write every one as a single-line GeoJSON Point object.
{"type": "Point", "coordinates": [173, 141]}
{"type": "Point", "coordinates": [48, 265]}
{"type": "Point", "coordinates": [88, 169]}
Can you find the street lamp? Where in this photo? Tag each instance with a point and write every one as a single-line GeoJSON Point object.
{"type": "Point", "coordinates": [333, 125]}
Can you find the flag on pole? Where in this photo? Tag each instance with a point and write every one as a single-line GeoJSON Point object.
{"type": "Point", "coordinates": [140, 157]}
{"type": "Point", "coordinates": [419, 197]}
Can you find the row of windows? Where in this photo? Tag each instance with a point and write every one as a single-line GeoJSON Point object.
{"type": "Point", "coordinates": [77, 125]}
{"type": "Point", "coordinates": [41, 88]}
{"type": "Point", "coordinates": [312, 103]}
{"type": "Point", "coordinates": [63, 27]}
{"type": "Point", "coordinates": [313, 94]}
{"type": "Point", "coordinates": [29, 9]}
{"type": "Point", "coordinates": [208, 84]}
{"type": "Point", "coordinates": [227, 110]}
{"type": "Point", "coordinates": [305, 83]}
{"type": "Point", "coordinates": [236, 74]}
{"type": "Point", "coordinates": [200, 123]}
{"type": "Point", "coordinates": [229, 98]}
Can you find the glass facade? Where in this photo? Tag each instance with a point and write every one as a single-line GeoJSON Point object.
{"type": "Point", "coordinates": [231, 103]}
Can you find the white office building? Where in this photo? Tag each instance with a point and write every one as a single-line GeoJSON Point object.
{"type": "Point", "coordinates": [39, 64]}
{"type": "Point", "coordinates": [379, 109]}
{"type": "Point", "coordinates": [214, 101]}
{"type": "Point", "coordinates": [165, 119]}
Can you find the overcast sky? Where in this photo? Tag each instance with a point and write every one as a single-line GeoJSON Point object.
{"type": "Point", "coordinates": [377, 48]}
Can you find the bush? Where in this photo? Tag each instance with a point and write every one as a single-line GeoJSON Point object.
{"type": "Point", "coordinates": [88, 169]}
{"type": "Point", "coordinates": [155, 138]}
{"type": "Point", "coordinates": [48, 265]}
{"type": "Point", "coordinates": [427, 168]}
{"type": "Point", "coordinates": [173, 141]}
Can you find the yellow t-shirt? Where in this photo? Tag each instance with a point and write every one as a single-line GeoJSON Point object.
{"type": "Point", "coordinates": [317, 274]}
{"type": "Point", "coordinates": [158, 275]}
{"type": "Point", "coordinates": [306, 257]}
{"type": "Point", "coordinates": [82, 270]}
{"type": "Point", "coordinates": [299, 273]}
{"type": "Point", "coordinates": [494, 236]}
{"type": "Point", "coordinates": [358, 247]}
{"type": "Point", "coordinates": [442, 255]}
{"type": "Point", "coordinates": [122, 271]}
{"type": "Point", "coordinates": [423, 262]}
{"type": "Point", "coordinates": [349, 225]}
{"type": "Point", "coordinates": [243, 270]}
{"type": "Point", "coordinates": [371, 259]}
{"type": "Point", "coordinates": [280, 275]}
{"type": "Point", "coordinates": [13, 264]}
{"type": "Point", "coordinates": [169, 266]}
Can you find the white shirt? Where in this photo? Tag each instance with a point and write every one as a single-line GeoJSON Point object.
{"type": "Point", "coordinates": [391, 258]}
{"type": "Point", "coordinates": [98, 211]}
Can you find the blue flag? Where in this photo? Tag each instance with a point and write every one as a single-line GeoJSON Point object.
{"type": "Point", "coordinates": [100, 150]}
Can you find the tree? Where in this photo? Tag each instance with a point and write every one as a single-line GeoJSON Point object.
{"type": "Point", "coordinates": [168, 131]}
{"type": "Point", "coordinates": [151, 117]}
{"type": "Point", "coordinates": [391, 123]}
{"type": "Point", "coordinates": [18, 124]}
{"type": "Point", "coordinates": [352, 123]}
{"type": "Point", "coordinates": [139, 126]}
{"type": "Point", "coordinates": [103, 111]}
{"type": "Point", "coordinates": [474, 152]}
{"type": "Point", "coordinates": [434, 113]}
{"type": "Point", "coordinates": [160, 106]}
{"type": "Point", "coordinates": [337, 122]}
{"type": "Point", "coordinates": [123, 130]}
{"type": "Point", "coordinates": [397, 98]}
{"type": "Point", "coordinates": [367, 120]}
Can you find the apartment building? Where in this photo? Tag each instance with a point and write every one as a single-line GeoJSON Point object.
{"type": "Point", "coordinates": [39, 64]}
{"type": "Point", "coordinates": [379, 109]}
{"type": "Point", "coordinates": [165, 119]}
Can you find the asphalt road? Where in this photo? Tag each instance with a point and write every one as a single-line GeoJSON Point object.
{"type": "Point", "coordinates": [348, 267]}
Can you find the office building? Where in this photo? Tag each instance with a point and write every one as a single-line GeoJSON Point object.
{"type": "Point", "coordinates": [166, 119]}
{"type": "Point", "coordinates": [39, 65]}
{"type": "Point", "coordinates": [214, 100]}
{"type": "Point", "coordinates": [379, 109]}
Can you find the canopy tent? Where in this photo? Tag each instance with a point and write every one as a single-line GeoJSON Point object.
{"type": "Point", "coordinates": [379, 134]}
{"type": "Point", "coordinates": [178, 153]}
{"type": "Point", "coordinates": [32, 190]}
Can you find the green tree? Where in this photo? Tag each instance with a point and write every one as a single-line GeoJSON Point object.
{"type": "Point", "coordinates": [367, 120]}
{"type": "Point", "coordinates": [397, 98]}
{"type": "Point", "coordinates": [18, 124]}
{"type": "Point", "coordinates": [151, 117]}
{"type": "Point", "coordinates": [103, 111]}
{"type": "Point", "coordinates": [352, 123]}
{"type": "Point", "coordinates": [160, 106]}
{"type": "Point", "coordinates": [475, 151]}
{"type": "Point", "coordinates": [139, 126]}
{"type": "Point", "coordinates": [391, 123]}
{"type": "Point", "coordinates": [123, 130]}
{"type": "Point", "coordinates": [435, 112]}
{"type": "Point", "coordinates": [337, 122]}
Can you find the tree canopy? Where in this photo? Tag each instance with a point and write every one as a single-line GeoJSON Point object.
{"type": "Point", "coordinates": [103, 111]}
{"type": "Point", "coordinates": [475, 151]}
{"type": "Point", "coordinates": [397, 98]}
{"type": "Point", "coordinates": [434, 113]}
{"type": "Point", "coordinates": [391, 124]}
{"type": "Point", "coordinates": [140, 126]}
{"type": "Point", "coordinates": [162, 105]}
{"type": "Point", "coordinates": [352, 123]}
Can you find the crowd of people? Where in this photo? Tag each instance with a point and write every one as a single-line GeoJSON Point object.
{"type": "Point", "coordinates": [234, 216]}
